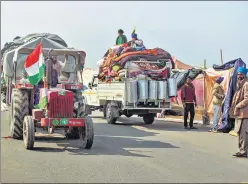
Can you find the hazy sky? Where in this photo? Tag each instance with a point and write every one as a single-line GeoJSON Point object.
{"type": "Point", "coordinates": [190, 31]}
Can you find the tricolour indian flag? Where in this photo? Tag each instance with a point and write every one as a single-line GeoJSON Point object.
{"type": "Point", "coordinates": [34, 65]}
{"type": "Point", "coordinates": [43, 99]}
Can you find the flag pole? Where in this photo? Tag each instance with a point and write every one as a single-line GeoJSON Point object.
{"type": "Point", "coordinates": [221, 58]}
{"type": "Point", "coordinates": [47, 82]}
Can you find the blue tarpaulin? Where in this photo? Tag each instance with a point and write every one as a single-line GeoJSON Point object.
{"type": "Point", "coordinates": [227, 123]}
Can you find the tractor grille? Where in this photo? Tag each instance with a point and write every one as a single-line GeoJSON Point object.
{"type": "Point", "coordinates": [61, 104]}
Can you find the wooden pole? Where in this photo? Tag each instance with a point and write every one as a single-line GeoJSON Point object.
{"type": "Point", "coordinates": [1, 88]}
{"type": "Point", "coordinates": [205, 117]}
{"type": "Point", "coordinates": [204, 84]}
{"type": "Point", "coordinates": [221, 58]}
{"type": "Point", "coordinates": [205, 64]}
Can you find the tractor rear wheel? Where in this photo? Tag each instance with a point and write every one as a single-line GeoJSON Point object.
{"type": "Point", "coordinates": [86, 133]}
{"type": "Point", "coordinates": [18, 110]}
{"type": "Point", "coordinates": [28, 132]}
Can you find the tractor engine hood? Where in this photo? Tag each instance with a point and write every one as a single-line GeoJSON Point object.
{"type": "Point", "coordinates": [60, 103]}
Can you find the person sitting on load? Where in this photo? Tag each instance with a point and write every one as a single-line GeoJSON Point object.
{"type": "Point", "coordinates": [134, 45]}
{"type": "Point", "coordinates": [137, 43]}
{"type": "Point", "coordinates": [121, 39]}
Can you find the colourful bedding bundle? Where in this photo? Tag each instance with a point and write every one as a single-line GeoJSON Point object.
{"type": "Point", "coordinates": [113, 63]}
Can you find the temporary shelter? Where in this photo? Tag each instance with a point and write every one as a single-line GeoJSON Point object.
{"type": "Point", "coordinates": [229, 72]}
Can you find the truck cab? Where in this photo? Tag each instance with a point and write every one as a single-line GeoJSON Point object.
{"type": "Point", "coordinates": [91, 94]}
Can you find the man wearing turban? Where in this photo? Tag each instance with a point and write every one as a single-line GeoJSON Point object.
{"type": "Point", "coordinates": [218, 97]}
{"type": "Point", "coordinates": [136, 43]}
{"type": "Point", "coordinates": [239, 111]}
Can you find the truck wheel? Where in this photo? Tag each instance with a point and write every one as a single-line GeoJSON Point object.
{"type": "Point", "coordinates": [18, 110]}
{"type": "Point", "coordinates": [148, 118]}
{"type": "Point", "coordinates": [128, 115]}
{"type": "Point", "coordinates": [86, 134]}
{"type": "Point", "coordinates": [28, 132]}
{"type": "Point", "coordinates": [109, 114]}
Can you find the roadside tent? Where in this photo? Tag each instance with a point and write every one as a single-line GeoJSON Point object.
{"type": "Point", "coordinates": [195, 74]}
{"type": "Point", "coordinates": [180, 65]}
{"type": "Point", "coordinates": [211, 76]}
{"type": "Point", "coordinates": [229, 71]}
{"type": "Point", "coordinates": [181, 72]}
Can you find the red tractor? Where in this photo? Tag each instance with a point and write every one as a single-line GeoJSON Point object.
{"type": "Point", "coordinates": [65, 104]}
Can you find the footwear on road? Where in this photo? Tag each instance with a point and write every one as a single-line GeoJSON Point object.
{"type": "Point", "coordinates": [241, 155]}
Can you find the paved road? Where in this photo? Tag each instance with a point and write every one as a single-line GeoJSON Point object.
{"type": "Point", "coordinates": [127, 152]}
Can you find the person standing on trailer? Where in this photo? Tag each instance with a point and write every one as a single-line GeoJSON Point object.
{"type": "Point", "coordinates": [189, 103]}
{"type": "Point", "coordinates": [121, 39]}
{"type": "Point", "coordinates": [239, 111]}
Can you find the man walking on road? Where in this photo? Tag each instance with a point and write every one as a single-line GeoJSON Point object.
{"type": "Point", "coordinates": [239, 111]}
{"type": "Point", "coordinates": [218, 97]}
{"type": "Point", "coordinates": [189, 102]}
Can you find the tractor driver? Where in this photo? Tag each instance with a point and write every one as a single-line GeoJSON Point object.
{"type": "Point", "coordinates": [54, 82]}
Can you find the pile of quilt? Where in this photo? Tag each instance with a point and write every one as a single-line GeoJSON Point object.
{"type": "Point", "coordinates": [115, 61]}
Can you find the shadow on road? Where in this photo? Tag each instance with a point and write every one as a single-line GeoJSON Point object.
{"type": "Point", "coordinates": [110, 146]}
{"type": "Point", "coordinates": [113, 146]}
{"type": "Point", "coordinates": [157, 125]}
{"type": "Point", "coordinates": [109, 140]}
{"type": "Point", "coordinates": [121, 139]}
{"type": "Point", "coordinates": [160, 125]}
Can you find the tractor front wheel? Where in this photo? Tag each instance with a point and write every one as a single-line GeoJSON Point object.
{"type": "Point", "coordinates": [86, 134]}
{"type": "Point", "coordinates": [28, 132]}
